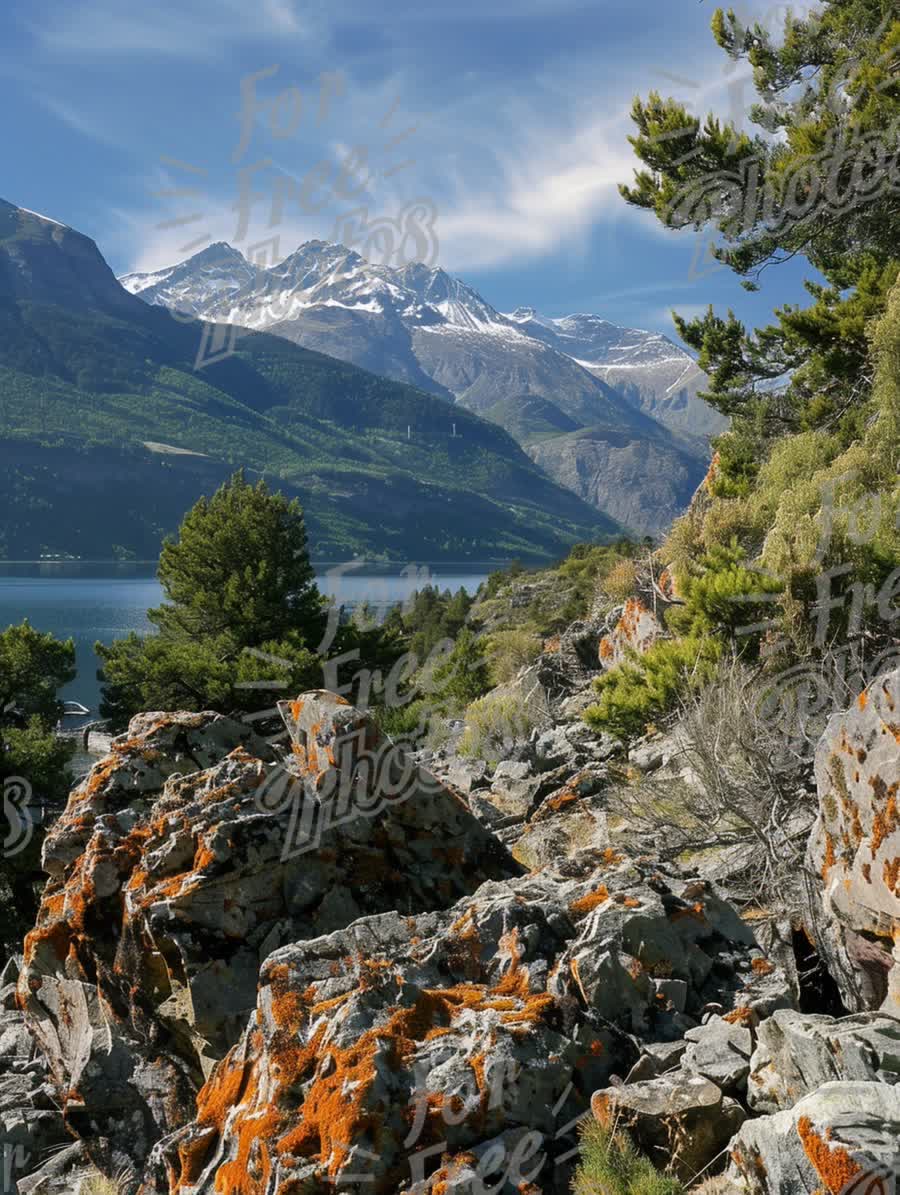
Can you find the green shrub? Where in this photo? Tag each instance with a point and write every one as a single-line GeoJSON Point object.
{"type": "Point", "coordinates": [494, 719]}
{"type": "Point", "coordinates": [644, 687]}
{"type": "Point", "coordinates": [610, 1165]}
{"type": "Point", "coordinates": [738, 452]}
{"type": "Point", "coordinates": [508, 651]}
{"type": "Point", "coordinates": [722, 594]}
{"type": "Point", "coordinates": [463, 675]}
{"type": "Point", "coordinates": [619, 583]}
{"type": "Point", "coordinates": [403, 720]}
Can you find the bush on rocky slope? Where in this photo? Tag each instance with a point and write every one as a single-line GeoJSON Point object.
{"type": "Point", "coordinates": [644, 687]}
{"type": "Point", "coordinates": [544, 602]}
{"type": "Point", "coordinates": [611, 1164]}
{"type": "Point", "coordinates": [730, 790]}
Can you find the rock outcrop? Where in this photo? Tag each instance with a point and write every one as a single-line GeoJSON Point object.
{"type": "Point", "coordinates": [182, 861]}
{"type": "Point", "coordinates": [268, 971]}
{"type": "Point", "coordinates": [636, 629]}
{"type": "Point", "coordinates": [404, 1039]}
{"type": "Point", "coordinates": [842, 1138]}
{"type": "Point", "coordinates": [796, 1054]}
{"type": "Point", "coordinates": [680, 1117]}
{"type": "Point", "coordinates": [854, 851]}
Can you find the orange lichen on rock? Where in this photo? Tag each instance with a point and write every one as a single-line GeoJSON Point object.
{"type": "Point", "coordinates": [695, 912]}
{"type": "Point", "coordinates": [832, 1163]}
{"type": "Point", "coordinates": [203, 857]}
{"type": "Point", "coordinates": [830, 858]}
{"type": "Point", "coordinates": [585, 904]}
{"type": "Point", "coordinates": [886, 819]}
{"type": "Point", "coordinates": [762, 966]}
{"type": "Point", "coordinates": [743, 1015]}
{"type": "Point", "coordinates": [712, 472]}
{"type": "Point", "coordinates": [891, 875]}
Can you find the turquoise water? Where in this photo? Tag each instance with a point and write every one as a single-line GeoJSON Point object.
{"type": "Point", "coordinates": [91, 603]}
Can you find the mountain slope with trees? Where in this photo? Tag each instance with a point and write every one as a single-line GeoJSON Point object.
{"type": "Point", "coordinates": [381, 468]}
{"type": "Point", "coordinates": [634, 393]}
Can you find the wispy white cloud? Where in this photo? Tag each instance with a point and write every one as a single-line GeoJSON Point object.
{"type": "Point", "coordinates": [663, 315]}
{"type": "Point", "coordinates": [202, 29]}
{"type": "Point", "coordinates": [548, 187]}
{"type": "Point", "coordinates": [80, 122]}
{"type": "Point", "coordinates": [514, 177]}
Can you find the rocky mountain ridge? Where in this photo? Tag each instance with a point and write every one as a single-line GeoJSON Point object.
{"type": "Point", "coordinates": [381, 468]}
{"type": "Point", "coordinates": [610, 412]}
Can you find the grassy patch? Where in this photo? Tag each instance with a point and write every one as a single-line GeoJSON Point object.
{"type": "Point", "coordinates": [610, 1165]}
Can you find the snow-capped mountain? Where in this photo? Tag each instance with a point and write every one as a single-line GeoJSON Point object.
{"type": "Point", "coordinates": [646, 367]}
{"type": "Point", "coordinates": [209, 277]}
{"type": "Point", "coordinates": [544, 379]}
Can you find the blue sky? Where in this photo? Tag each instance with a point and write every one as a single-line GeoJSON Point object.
{"type": "Point", "coordinates": [510, 117]}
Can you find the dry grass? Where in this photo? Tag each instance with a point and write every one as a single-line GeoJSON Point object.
{"type": "Point", "coordinates": [98, 1184]}
{"type": "Point", "coordinates": [732, 792]}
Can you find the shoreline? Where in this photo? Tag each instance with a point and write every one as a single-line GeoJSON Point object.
{"type": "Point", "coordinates": [475, 566]}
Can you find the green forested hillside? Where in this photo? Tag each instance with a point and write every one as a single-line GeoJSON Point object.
{"type": "Point", "coordinates": [381, 468]}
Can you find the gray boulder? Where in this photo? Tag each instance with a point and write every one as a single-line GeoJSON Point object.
{"type": "Point", "coordinates": [720, 1051]}
{"type": "Point", "coordinates": [797, 1053]}
{"type": "Point", "coordinates": [844, 1137]}
{"type": "Point", "coordinates": [679, 1120]}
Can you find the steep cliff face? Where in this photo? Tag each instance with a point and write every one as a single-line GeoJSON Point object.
{"type": "Point", "coordinates": [43, 261]}
{"type": "Point", "coordinates": [600, 466]}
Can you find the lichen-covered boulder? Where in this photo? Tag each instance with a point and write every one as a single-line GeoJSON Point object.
{"type": "Point", "coordinates": [680, 1120]}
{"type": "Point", "coordinates": [31, 1126]}
{"type": "Point", "coordinates": [637, 629]}
{"type": "Point", "coordinates": [403, 1039]}
{"type": "Point", "coordinates": [182, 861]}
{"type": "Point", "coordinates": [855, 848]}
{"type": "Point", "coordinates": [843, 1138]}
{"type": "Point", "coordinates": [797, 1052]}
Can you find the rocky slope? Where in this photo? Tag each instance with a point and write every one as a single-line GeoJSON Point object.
{"type": "Point", "coordinates": [274, 967]}
{"type": "Point", "coordinates": [652, 372]}
{"type": "Point", "coordinates": [633, 394]}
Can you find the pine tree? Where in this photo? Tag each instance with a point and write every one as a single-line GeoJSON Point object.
{"type": "Point", "coordinates": [820, 180]}
{"type": "Point", "coordinates": [240, 567]}
{"type": "Point", "coordinates": [34, 763]}
{"type": "Point", "coordinates": [243, 616]}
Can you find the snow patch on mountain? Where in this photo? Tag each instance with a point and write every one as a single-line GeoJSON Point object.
{"type": "Point", "coordinates": [298, 297]}
{"type": "Point", "coordinates": [40, 216]}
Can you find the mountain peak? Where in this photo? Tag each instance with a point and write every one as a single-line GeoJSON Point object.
{"type": "Point", "coordinates": [43, 260]}
{"type": "Point", "coordinates": [9, 210]}
{"type": "Point", "coordinates": [220, 250]}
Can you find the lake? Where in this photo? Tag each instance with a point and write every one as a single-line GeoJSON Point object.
{"type": "Point", "coordinates": [91, 603]}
